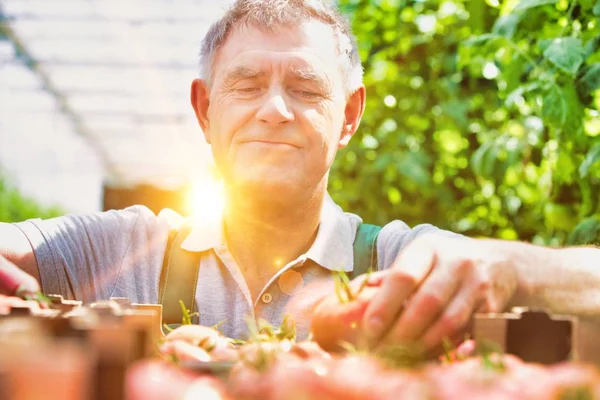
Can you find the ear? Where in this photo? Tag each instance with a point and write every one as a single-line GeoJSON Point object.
{"type": "Point", "coordinates": [355, 107]}
{"type": "Point", "coordinates": [200, 102]}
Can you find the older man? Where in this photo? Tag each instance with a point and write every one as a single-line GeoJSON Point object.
{"type": "Point", "coordinates": [280, 92]}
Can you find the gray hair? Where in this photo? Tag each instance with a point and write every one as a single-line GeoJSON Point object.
{"type": "Point", "coordinates": [268, 15]}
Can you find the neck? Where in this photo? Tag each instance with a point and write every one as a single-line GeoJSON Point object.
{"type": "Point", "coordinates": [263, 236]}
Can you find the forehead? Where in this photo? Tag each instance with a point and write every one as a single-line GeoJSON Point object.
{"type": "Point", "coordinates": [309, 45]}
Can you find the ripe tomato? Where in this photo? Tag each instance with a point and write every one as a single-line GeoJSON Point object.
{"type": "Point", "coordinates": [155, 379]}
{"type": "Point", "coordinates": [334, 322]}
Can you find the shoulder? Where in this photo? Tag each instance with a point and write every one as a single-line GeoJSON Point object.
{"type": "Point", "coordinates": [396, 235]}
{"type": "Point", "coordinates": [144, 218]}
{"type": "Point", "coordinates": [132, 221]}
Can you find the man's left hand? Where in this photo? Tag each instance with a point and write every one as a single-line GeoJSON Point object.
{"type": "Point", "coordinates": [433, 289]}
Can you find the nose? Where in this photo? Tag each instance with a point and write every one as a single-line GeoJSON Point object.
{"type": "Point", "coordinates": [275, 111]}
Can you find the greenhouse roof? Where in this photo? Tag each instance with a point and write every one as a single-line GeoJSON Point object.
{"type": "Point", "coordinates": [114, 73]}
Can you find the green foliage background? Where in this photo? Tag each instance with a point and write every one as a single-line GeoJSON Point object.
{"type": "Point", "coordinates": [482, 118]}
{"type": "Point", "coordinates": [15, 207]}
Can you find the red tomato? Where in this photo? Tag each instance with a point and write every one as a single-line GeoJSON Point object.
{"type": "Point", "coordinates": [334, 323]}
{"type": "Point", "coordinates": [246, 383]}
{"type": "Point", "coordinates": [362, 377]}
{"type": "Point", "coordinates": [472, 379]}
{"type": "Point", "coordinates": [575, 381]}
{"type": "Point", "coordinates": [156, 380]}
{"type": "Point", "coordinates": [207, 388]}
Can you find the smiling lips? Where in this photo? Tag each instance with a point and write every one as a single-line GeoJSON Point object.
{"type": "Point", "coordinates": [272, 143]}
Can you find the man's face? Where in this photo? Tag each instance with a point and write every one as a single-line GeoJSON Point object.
{"type": "Point", "coordinates": [276, 108]}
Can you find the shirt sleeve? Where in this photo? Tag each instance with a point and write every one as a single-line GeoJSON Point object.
{"type": "Point", "coordinates": [96, 256]}
{"type": "Point", "coordinates": [396, 235]}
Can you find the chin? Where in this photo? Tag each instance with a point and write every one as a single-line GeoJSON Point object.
{"type": "Point", "coordinates": [273, 188]}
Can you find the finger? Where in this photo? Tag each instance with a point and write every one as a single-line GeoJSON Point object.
{"type": "Point", "coordinates": [454, 319]}
{"type": "Point", "coordinates": [409, 270]}
{"type": "Point", "coordinates": [430, 300]}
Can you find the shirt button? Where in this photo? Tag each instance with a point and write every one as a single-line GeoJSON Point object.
{"type": "Point", "coordinates": [266, 298]}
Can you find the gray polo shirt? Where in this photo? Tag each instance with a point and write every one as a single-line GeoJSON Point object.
{"type": "Point", "coordinates": [120, 253]}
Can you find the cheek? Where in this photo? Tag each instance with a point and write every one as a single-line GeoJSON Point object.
{"type": "Point", "coordinates": [326, 125]}
{"type": "Point", "coordinates": [226, 117]}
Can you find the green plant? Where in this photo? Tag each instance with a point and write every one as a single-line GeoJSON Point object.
{"type": "Point", "coordinates": [15, 207]}
{"type": "Point", "coordinates": [482, 118]}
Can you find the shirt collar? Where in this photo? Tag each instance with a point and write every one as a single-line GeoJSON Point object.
{"type": "Point", "coordinates": [332, 248]}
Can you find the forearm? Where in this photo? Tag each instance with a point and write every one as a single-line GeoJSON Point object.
{"type": "Point", "coordinates": [562, 280]}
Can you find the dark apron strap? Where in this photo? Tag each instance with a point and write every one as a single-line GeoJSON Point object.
{"type": "Point", "coordinates": [365, 249]}
{"type": "Point", "coordinates": [179, 277]}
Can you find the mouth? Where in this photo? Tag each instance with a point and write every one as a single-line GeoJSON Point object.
{"type": "Point", "coordinates": [271, 143]}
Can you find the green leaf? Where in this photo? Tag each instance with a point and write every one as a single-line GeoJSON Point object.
{"type": "Point", "coordinates": [591, 46]}
{"type": "Point", "coordinates": [575, 113]}
{"type": "Point", "coordinates": [591, 80]}
{"type": "Point", "coordinates": [591, 157]}
{"type": "Point", "coordinates": [586, 4]}
{"type": "Point", "coordinates": [186, 316]}
{"type": "Point", "coordinates": [506, 25]}
{"type": "Point", "coordinates": [252, 327]}
{"type": "Point", "coordinates": [287, 329]}
{"type": "Point", "coordinates": [399, 356]}
{"type": "Point", "coordinates": [565, 168]}
{"type": "Point", "coordinates": [394, 195]}
{"type": "Point", "coordinates": [526, 4]}
{"type": "Point", "coordinates": [559, 216]}
{"type": "Point", "coordinates": [339, 291]}
{"type": "Point", "coordinates": [480, 39]}
{"type": "Point", "coordinates": [520, 91]}
{"type": "Point", "coordinates": [576, 393]}
{"type": "Point", "coordinates": [457, 110]}
{"type": "Point", "coordinates": [491, 355]}
{"type": "Point", "coordinates": [596, 9]}
{"type": "Point", "coordinates": [566, 53]}
{"type": "Point", "coordinates": [562, 109]}
{"type": "Point", "coordinates": [484, 159]}
{"type": "Point", "coordinates": [543, 44]}
{"type": "Point", "coordinates": [412, 167]}
{"type": "Point", "coordinates": [554, 107]}
{"type": "Point", "coordinates": [586, 232]}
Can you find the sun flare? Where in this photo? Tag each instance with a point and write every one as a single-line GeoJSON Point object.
{"type": "Point", "coordinates": [206, 198]}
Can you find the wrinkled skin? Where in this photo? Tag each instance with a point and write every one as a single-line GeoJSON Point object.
{"type": "Point", "coordinates": [435, 286]}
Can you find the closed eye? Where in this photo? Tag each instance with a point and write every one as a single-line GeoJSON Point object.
{"type": "Point", "coordinates": [248, 89]}
{"type": "Point", "coordinates": [307, 93]}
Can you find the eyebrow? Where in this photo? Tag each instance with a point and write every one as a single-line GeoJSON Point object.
{"type": "Point", "coordinates": [309, 76]}
{"type": "Point", "coordinates": [243, 73]}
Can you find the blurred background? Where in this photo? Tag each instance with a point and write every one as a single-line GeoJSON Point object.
{"type": "Point", "coordinates": [482, 116]}
{"type": "Point", "coordinates": [95, 111]}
